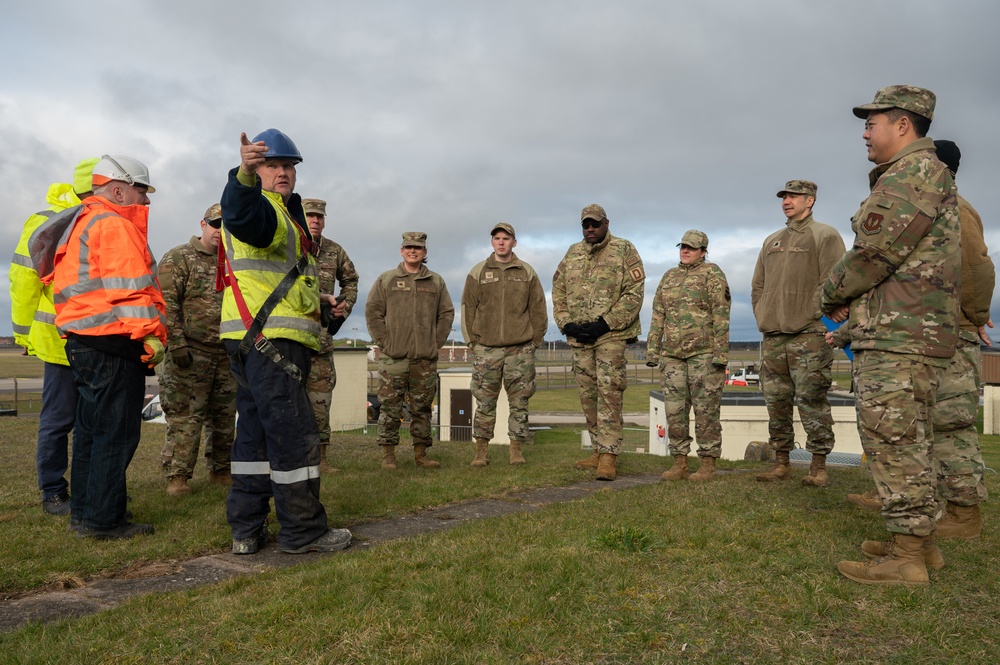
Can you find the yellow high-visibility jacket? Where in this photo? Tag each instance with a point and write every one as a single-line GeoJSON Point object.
{"type": "Point", "coordinates": [32, 311]}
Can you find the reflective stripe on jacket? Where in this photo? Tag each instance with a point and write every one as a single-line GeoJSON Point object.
{"type": "Point", "coordinates": [103, 281]}
{"type": "Point", "coordinates": [259, 270]}
{"type": "Point", "coordinates": [32, 311]}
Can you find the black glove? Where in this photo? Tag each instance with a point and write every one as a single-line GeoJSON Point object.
{"type": "Point", "coordinates": [650, 363]}
{"type": "Point", "coordinates": [328, 320]}
{"type": "Point", "coordinates": [595, 329]}
{"type": "Point", "coordinates": [572, 329]}
{"type": "Point", "coordinates": [182, 357]}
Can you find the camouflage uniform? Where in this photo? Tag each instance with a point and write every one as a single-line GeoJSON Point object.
{"type": "Point", "coordinates": [901, 280]}
{"type": "Point", "coordinates": [689, 337]}
{"type": "Point", "coordinates": [335, 267]}
{"type": "Point", "coordinates": [204, 394]}
{"type": "Point", "coordinates": [795, 358]}
{"type": "Point", "coordinates": [504, 321]}
{"type": "Point", "coordinates": [605, 280]}
{"type": "Point", "coordinates": [409, 317]}
{"type": "Point", "coordinates": [957, 457]}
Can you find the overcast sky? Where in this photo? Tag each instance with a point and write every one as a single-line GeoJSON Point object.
{"type": "Point", "coordinates": [449, 116]}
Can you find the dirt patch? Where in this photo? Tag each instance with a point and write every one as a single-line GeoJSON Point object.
{"type": "Point", "coordinates": [70, 597]}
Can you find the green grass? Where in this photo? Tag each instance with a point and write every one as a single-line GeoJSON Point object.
{"type": "Point", "coordinates": [15, 365]}
{"type": "Point", "coordinates": [727, 571]}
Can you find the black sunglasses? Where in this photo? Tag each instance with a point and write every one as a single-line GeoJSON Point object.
{"type": "Point", "coordinates": [592, 223]}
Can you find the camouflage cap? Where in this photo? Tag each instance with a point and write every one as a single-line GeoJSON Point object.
{"type": "Point", "coordinates": [799, 187]}
{"type": "Point", "coordinates": [694, 238]}
{"type": "Point", "coordinates": [414, 239]}
{"type": "Point", "coordinates": [593, 211]}
{"type": "Point", "coordinates": [314, 206]}
{"type": "Point", "coordinates": [505, 227]}
{"type": "Point", "coordinates": [213, 216]}
{"type": "Point", "coordinates": [907, 97]}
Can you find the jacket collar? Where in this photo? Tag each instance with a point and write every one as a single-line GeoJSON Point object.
{"type": "Point", "coordinates": [691, 266]}
{"type": "Point", "coordinates": [594, 249]}
{"type": "Point", "coordinates": [799, 224]}
{"type": "Point", "coordinates": [493, 263]}
{"type": "Point", "coordinates": [137, 214]}
{"type": "Point", "coordinates": [420, 274]}
{"type": "Point", "coordinates": [926, 143]}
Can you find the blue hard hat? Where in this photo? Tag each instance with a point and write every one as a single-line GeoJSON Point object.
{"type": "Point", "coordinates": [279, 146]}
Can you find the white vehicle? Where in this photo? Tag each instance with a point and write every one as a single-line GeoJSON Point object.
{"type": "Point", "coordinates": [744, 376]}
{"type": "Point", "coordinates": [152, 413]}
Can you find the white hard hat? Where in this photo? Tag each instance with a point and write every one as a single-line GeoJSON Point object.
{"type": "Point", "coordinates": [122, 168]}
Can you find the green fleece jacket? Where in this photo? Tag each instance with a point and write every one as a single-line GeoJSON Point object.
{"type": "Point", "coordinates": [503, 304]}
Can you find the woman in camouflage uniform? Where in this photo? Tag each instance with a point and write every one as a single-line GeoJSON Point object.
{"type": "Point", "coordinates": [689, 341]}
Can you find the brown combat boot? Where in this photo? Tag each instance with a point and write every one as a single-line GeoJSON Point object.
{"type": "Point", "coordinates": [904, 564]}
{"type": "Point", "coordinates": [420, 457]}
{"type": "Point", "coordinates": [933, 558]}
{"type": "Point", "coordinates": [178, 486]}
{"type": "Point", "coordinates": [590, 462]}
{"type": "Point", "coordinates": [516, 456]}
{"type": "Point", "coordinates": [324, 463]}
{"type": "Point", "coordinates": [781, 471]}
{"type": "Point", "coordinates": [964, 522]}
{"type": "Point", "coordinates": [221, 477]}
{"type": "Point", "coordinates": [607, 466]}
{"type": "Point", "coordinates": [817, 472]}
{"type": "Point", "coordinates": [705, 471]}
{"type": "Point", "coordinates": [679, 471]}
{"type": "Point", "coordinates": [482, 453]}
{"type": "Point", "coordinates": [388, 456]}
{"type": "Point", "coordinates": [870, 500]}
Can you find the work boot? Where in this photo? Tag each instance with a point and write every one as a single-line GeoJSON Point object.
{"type": "Point", "coordinates": [679, 471]}
{"type": "Point", "coordinates": [817, 472]}
{"type": "Point", "coordinates": [333, 540]}
{"type": "Point", "coordinates": [221, 477]}
{"type": "Point", "coordinates": [903, 564]}
{"type": "Point", "coordinates": [964, 522]}
{"type": "Point", "coordinates": [589, 463]}
{"type": "Point", "coordinates": [781, 471]}
{"type": "Point", "coordinates": [516, 457]}
{"type": "Point", "coordinates": [420, 457]}
{"type": "Point", "coordinates": [178, 486]}
{"type": "Point", "coordinates": [482, 453]}
{"type": "Point", "coordinates": [388, 456]}
{"type": "Point", "coordinates": [606, 466]}
{"type": "Point", "coordinates": [57, 505]}
{"type": "Point", "coordinates": [120, 532]}
{"type": "Point", "coordinates": [705, 471]}
{"type": "Point", "coordinates": [252, 544]}
{"type": "Point", "coordinates": [324, 463]}
{"type": "Point", "coordinates": [933, 558]}
{"type": "Point", "coordinates": [870, 500]}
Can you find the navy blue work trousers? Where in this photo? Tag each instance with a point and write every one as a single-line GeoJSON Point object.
{"type": "Point", "coordinates": [55, 422]}
{"type": "Point", "coordinates": [276, 452]}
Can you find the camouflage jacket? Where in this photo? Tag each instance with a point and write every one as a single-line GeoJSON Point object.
{"type": "Point", "coordinates": [902, 276]}
{"type": "Point", "coordinates": [409, 315]}
{"type": "Point", "coordinates": [791, 267]}
{"type": "Point", "coordinates": [606, 279]}
{"type": "Point", "coordinates": [978, 274]}
{"type": "Point", "coordinates": [194, 307]}
{"type": "Point", "coordinates": [335, 267]}
{"type": "Point", "coordinates": [691, 314]}
{"type": "Point", "coordinates": [503, 304]}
